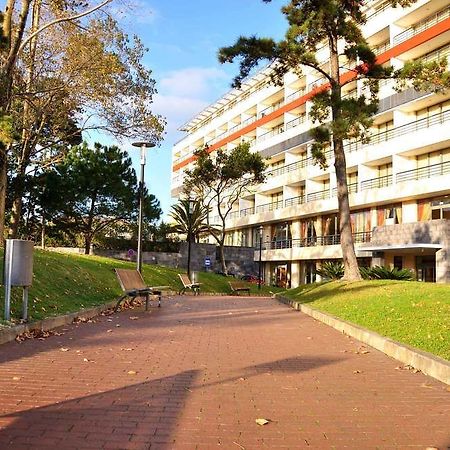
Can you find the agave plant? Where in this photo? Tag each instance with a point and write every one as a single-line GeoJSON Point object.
{"type": "Point", "coordinates": [386, 273]}
{"type": "Point", "coordinates": [331, 270]}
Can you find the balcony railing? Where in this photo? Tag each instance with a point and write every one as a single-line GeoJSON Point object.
{"type": "Point", "coordinates": [352, 188]}
{"type": "Point", "coordinates": [376, 183]}
{"type": "Point", "coordinates": [320, 195]}
{"type": "Point", "coordinates": [434, 170]}
{"type": "Point", "coordinates": [288, 168]}
{"type": "Point", "coordinates": [423, 25]}
{"type": "Point", "coordinates": [295, 95]}
{"type": "Point", "coordinates": [269, 206]}
{"type": "Point", "coordinates": [247, 211]}
{"type": "Point", "coordinates": [233, 214]}
{"type": "Point", "coordinates": [295, 122]}
{"type": "Point", "coordinates": [427, 122]}
{"type": "Point", "coordinates": [316, 241]}
{"type": "Point", "coordinates": [294, 201]}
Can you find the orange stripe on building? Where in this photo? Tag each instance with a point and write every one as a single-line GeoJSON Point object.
{"type": "Point", "coordinates": [399, 49]}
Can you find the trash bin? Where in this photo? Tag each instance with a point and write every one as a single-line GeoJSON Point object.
{"type": "Point", "coordinates": [17, 271]}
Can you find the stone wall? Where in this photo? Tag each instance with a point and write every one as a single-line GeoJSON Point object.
{"type": "Point", "coordinates": [239, 260]}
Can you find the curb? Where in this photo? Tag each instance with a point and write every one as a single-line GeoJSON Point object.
{"type": "Point", "coordinates": [9, 333]}
{"type": "Point", "coordinates": [429, 364]}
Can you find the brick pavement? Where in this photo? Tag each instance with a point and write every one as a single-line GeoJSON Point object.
{"type": "Point", "coordinates": [196, 374]}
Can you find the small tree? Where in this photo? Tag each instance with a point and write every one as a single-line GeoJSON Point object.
{"type": "Point", "coordinates": [336, 23]}
{"type": "Point", "coordinates": [219, 179]}
{"type": "Point", "coordinates": [93, 189]}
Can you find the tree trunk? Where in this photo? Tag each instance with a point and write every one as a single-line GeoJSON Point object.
{"type": "Point", "coordinates": [16, 210]}
{"type": "Point", "coordinates": [223, 264]}
{"type": "Point", "coordinates": [87, 243]}
{"type": "Point", "coordinates": [43, 230]}
{"type": "Point", "coordinates": [3, 187]}
{"type": "Point", "coordinates": [351, 270]}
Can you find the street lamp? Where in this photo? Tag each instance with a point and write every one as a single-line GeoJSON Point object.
{"type": "Point", "coordinates": [142, 146]}
{"type": "Point", "coordinates": [260, 229]}
{"type": "Point", "coordinates": [191, 206]}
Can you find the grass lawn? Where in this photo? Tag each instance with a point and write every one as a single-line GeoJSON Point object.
{"type": "Point", "coordinates": [417, 314]}
{"type": "Point", "coordinates": [65, 283]}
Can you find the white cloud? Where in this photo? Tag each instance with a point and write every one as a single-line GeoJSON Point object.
{"type": "Point", "coordinates": [193, 81]}
{"type": "Point", "coordinates": [184, 93]}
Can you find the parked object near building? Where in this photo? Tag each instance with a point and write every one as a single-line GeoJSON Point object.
{"type": "Point", "coordinates": [399, 181]}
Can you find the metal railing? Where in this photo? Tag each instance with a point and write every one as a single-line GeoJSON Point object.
{"type": "Point", "coordinates": [247, 211]}
{"type": "Point", "coordinates": [376, 183]}
{"type": "Point", "coordinates": [269, 206]}
{"type": "Point", "coordinates": [433, 170]}
{"type": "Point", "coordinates": [352, 189]}
{"type": "Point", "coordinates": [295, 122]}
{"type": "Point", "coordinates": [288, 168]}
{"type": "Point", "coordinates": [295, 95]}
{"type": "Point", "coordinates": [427, 122]}
{"type": "Point", "coordinates": [423, 25]}
{"type": "Point", "coordinates": [320, 195]}
{"type": "Point", "coordinates": [381, 48]}
{"type": "Point", "coordinates": [316, 241]}
{"type": "Point", "coordinates": [294, 201]}
{"type": "Point", "coordinates": [233, 214]}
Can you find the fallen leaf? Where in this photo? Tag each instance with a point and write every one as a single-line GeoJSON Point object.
{"type": "Point", "coordinates": [356, 371]}
{"type": "Point", "coordinates": [118, 325]}
{"type": "Point", "coordinates": [85, 360]}
{"type": "Point", "coordinates": [134, 318]}
{"type": "Point", "coordinates": [262, 421]}
{"type": "Point", "coordinates": [109, 331]}
{"type": "Point", "coordinates": [16, 378]}
{"type": "Point", "coordinates": [132, 372]}
{"type": "Point", "coordinates": [127, 349]}
{"type": "Point", "coordinates": [63, 349]}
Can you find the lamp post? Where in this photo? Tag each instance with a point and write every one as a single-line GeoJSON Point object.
{"type": "Point", "coordinates": [142, 146]}
{"type": "Point", "coordinates": [260, 229]}
{"type": "Point", "coordinates": [191, 205]}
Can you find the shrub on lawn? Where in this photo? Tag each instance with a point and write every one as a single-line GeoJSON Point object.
{"type": "Point", "coordinates": [331, 270]}
{"type": "Point", "coordinates": [386, 273]}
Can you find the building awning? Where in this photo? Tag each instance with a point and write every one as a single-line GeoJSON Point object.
{"type": "Point", "coordinates": [403, 247]}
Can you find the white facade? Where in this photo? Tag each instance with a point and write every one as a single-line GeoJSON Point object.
{"type": "Point", "coordinates": [402, 176]}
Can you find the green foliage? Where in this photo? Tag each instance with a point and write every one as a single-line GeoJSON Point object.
{"type": "Point", "coordinates": [411, 312]}
{"type": "Point", "coordinates": [331, 270]}
{"type": "Point", "coordinates": [97, 187]}
{"type": "Point", "coordinates": [191, 221]}
{"type": "Point", "coordinates": [386, 273]}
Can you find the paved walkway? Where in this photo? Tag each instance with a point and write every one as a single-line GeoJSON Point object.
{"type": "Point", "coordinates": [197, 373]}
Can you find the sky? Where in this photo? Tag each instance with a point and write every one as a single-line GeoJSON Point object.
{"type": "Point", "coordinates": [183, 37]}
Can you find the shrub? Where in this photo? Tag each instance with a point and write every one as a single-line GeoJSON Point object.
{"type": "Point", "coordinates": [386, 273]}
{"type": "Point", "coordinates": [331, 270]}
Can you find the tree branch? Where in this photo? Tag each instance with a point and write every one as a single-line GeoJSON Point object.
{"type": "Point", "coordinates": [62, 19]}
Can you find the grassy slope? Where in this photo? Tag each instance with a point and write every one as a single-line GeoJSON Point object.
{"type": "Point", "coordinates": [65, 283]}
{"type": "Point", "coordinates": [414, 313]}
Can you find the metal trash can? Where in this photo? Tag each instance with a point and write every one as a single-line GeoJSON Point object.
{"type": "Point", "coordinates": [17, 271]}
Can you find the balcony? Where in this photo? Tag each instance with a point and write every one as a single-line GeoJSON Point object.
{"type": "Point", "coordinates": [294, 201]}
{"type": "Point", "coordinates": [319, 195]}
{"type": "Point", "coordinates": [247, 211]}
{"type": "Point", "coordinates": [423, 25]}
{"type": "Point", "coordinates": [427, 122]}
{"type": "Point", "coordinates": [434, 170]}
{"type": "Point", "coordinates": [376, 183]}
{"type": "Point", "coordinates": [316, 241]}
{"type": "Point", "coordinates": [287, 168]}
{"type": "Point", "coordinates": [269, 207]}
{"type": "Point", "coordinates": [352, 189]}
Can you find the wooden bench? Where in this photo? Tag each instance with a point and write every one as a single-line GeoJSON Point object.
{"type": "Point", "coordinates": [133, 286]}
{"type": "Point", "coordinates": [238, 286]}
{"type": "Point", "coordinates": [187, 284]}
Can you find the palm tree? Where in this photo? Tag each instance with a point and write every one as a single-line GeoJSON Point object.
{"type": "Point", "coordinates": [190, 218]}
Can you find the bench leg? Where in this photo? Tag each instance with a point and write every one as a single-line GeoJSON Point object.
{"type": "Point", "coordinates": [118, 301]}
{"type": "Point", "coordinates": [146, 301]}
{"type": "Point", "coordinates": [159, 300]}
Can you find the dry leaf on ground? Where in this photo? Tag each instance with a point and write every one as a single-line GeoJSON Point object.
{"type": "Point", "coordinates": [262, 421]}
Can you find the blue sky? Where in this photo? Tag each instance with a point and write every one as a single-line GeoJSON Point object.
{"type": "Point", "coordinates": [183, 38]}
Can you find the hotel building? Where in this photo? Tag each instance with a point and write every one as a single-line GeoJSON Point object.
{"type": "Point", "coordinates": [399, 182]}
